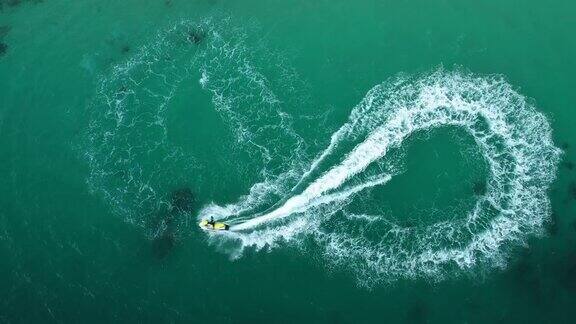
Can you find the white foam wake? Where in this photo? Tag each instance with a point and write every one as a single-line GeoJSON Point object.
{"type": "Point", "coordinates": [513, 137]}
{"type": "Point", "coordinates": [133, 162]}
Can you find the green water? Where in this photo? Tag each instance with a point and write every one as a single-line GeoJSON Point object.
{"type": "Point", "coordinates": [86, 230]}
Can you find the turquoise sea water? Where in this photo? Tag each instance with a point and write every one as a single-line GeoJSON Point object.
{"type": "Point", "coordinates": [377, 161]}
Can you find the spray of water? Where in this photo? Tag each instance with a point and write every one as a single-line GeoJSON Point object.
{"type": "Point", "coordinates": [512, 136]}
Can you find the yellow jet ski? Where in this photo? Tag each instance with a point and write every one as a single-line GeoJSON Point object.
{"type": "Point", "coordinates": [213, 226]}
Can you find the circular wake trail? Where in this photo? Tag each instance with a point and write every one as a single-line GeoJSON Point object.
{"type": "Point", "coordinates": [513, 137]}
{"type": "Point", "coordinates": [134, 162]}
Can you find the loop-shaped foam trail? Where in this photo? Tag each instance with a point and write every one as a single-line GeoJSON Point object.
{"type": "Point", "coordinates": [131, 158]}
{"type": "Point", "coordinates": [513, 137]}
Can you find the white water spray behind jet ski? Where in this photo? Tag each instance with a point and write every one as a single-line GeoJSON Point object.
{"type": "Point", "coordinates": [512, 136]}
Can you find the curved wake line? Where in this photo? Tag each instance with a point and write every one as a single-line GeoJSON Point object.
{"type": "Point", "coordinates": [513, 137]}
{"type": "Point", "coordinates": [364, 154]}
{"type": "Point", "coordinates": [301, 203]}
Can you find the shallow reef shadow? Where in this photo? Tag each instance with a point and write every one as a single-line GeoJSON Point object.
{"type": "Point", "coordinates": [479, 188]}
{"type": "Point", "coordinates": [125, 49]}
{"type": "Point", "coordinates": [566, 272]}
{"type": "Point", "coordinates": [196, 36]}
{"type": "Point", "coordinates": [568, 165]}
{"type": "Point", "coordinates": [3, 48]}
{"type": "Point", "coordinates": [165, 225]}
{"type": "Point", "coordinates": [163, 246]}
{"type": "Point", "coordinates": [572, 190]}
{"type": "Point", "coordinates": [182, 200]}
{"type": "Point", "coordinates": [417, 313]}
{"type": "Point", "coordinates": [527, 276]}
{"type": "Point", "coordinates": [4, 30]}
{"type": "Point", "coordinates": [15, 3]}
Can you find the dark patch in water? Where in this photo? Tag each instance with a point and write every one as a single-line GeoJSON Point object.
{"type": "Point", "coordinates": [479, 188]}
{"type": "Point", "coordinates": [164, 226]}
{"type": "Point", "coordinates": [527, 276]}
{"type": "Point", "coordinates": [16, 3]}
{"type": "Point", "coordinates": [182, 200]}
{"type": "Point", "coordinates": [565, 146]}
{"type": "Point", "coordinates": [163, 233]}
{"type": "Point", "coordinates": [574, 225]}
{"type": "Point", "coordinates": [9, 3]}
{"type": "Point", "coordinates": [3, 48]}
{"type": "Point", "coordinates": [571, 277]}
{"type": "Point", "coordinates": [572, 189]}
{"type": "Point", "coordinates": [523, 270]}
{"type": "Point", "coordinates": [168, 3]}
{"type": "Point", "coordinates": [418, 313]}
{"type": "Point", "coordinates": [334, 317]}
{"type": "Point", "coordinates": [568, 274]}
{"type": "Point", "coordinates": [196, 36]}
{"type": "Point", "coordinates": [568, 165]}
{"type": "Point", "coordinates": [125, 49]}
{"type": "Point", "coordinates": [122, 89]}
{"type": "Point", "coordinates": [4, 30]}
{"type": "Point", "coordinates": [162, 246]}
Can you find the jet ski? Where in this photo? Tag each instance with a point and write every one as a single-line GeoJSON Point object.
{"type": "Point", "coordinates": [211, 225]}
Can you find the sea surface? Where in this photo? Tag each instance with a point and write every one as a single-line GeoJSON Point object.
{"type": "Point", "coordinates": [376, 161]}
